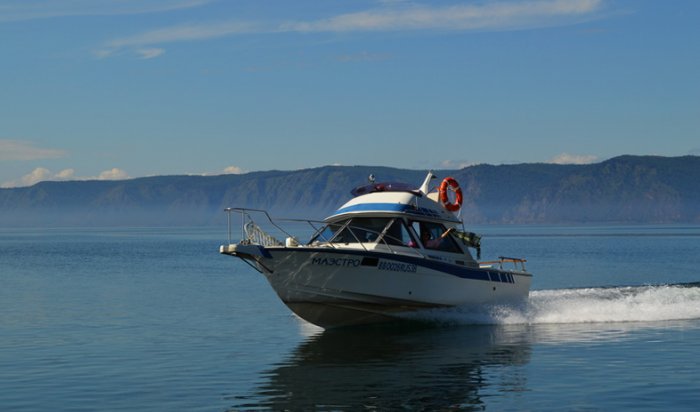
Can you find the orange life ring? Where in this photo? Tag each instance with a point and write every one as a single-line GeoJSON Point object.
{"type": "Point", "coordinates": [452, 184]}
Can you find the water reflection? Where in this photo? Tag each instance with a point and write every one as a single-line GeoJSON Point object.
{"type": "Point", "coordinates": [423, 368]}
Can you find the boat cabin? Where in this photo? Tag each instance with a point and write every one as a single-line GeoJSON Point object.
{"type": "Point", "coordinates": [400, 219]}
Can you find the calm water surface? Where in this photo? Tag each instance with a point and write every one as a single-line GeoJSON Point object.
{"type": "Point", "coordinates": [156, 319]}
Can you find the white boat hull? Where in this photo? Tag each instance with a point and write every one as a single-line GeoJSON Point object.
{"type": "Point", "coordinates": [337, 287]}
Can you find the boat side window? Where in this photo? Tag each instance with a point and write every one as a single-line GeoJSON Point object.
{"type": "Point", "coordinates": [398, 235]}
{"type": "Point", "coordinates": [432, 236]}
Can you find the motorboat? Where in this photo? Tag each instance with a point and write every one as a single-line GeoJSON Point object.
{"type": "Point", "coordinates": [392, 249]}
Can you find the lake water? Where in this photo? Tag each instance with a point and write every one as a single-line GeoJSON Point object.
{"type": "Point", "coordinates": [155, 319]}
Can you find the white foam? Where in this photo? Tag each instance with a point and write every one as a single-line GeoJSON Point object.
{"type": "Point", "coordinates": [591, 305]}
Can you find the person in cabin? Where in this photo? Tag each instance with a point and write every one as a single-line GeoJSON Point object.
{"type": "Point", "coordinates": [434, 241]}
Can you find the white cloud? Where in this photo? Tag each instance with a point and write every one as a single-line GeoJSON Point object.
{"type": "Point", "coordinates": [17, 10]}
{"type": "Point", "coordinates": [25, 150]}
{"type": "Point", "coordinates": [111, 174]}
{"type": "Point", "coordinates": [569, 159]}
{"type": "Point", "coordinates": [66, 174]}
{"type": "Point", "coordinates": [391, 16]}
{"type": "Point", "coordinates": [42, 174]}
{"type": "Point", "coordinates": [37, 175]}
{"type": "Point", "coordinates": [234, 170]}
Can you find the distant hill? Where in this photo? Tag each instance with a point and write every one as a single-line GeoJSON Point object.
{"type": "Point", "coordinates": [626, 189]}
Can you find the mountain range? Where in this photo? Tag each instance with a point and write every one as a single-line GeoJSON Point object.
{"type": "Point", "coordinates": [625, 189]}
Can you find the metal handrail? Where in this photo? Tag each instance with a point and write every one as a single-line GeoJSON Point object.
{"type": "Point", "coordinates": [265, 238]}
{"type": "Point", "coordinates": [504, 259]}
{"type": "Point", "coordinates": [255, 235]}
{"type": "Point", "coordinates": [244, 213]}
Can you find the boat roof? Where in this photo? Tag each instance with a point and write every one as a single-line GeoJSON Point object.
{"type": "Point", "coordinates": [385, 187]}
{"type": "Point", "coordinates": [394, 199]}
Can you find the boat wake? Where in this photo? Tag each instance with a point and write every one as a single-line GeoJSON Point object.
{"type": "Point", "coordinates": [586, 305]}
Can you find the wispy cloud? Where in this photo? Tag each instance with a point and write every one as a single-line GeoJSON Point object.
{"type": "Point", "coordinates": [26, 150]}
{"type": "Point", "coordinates": [455, 164]}
{"type": "Point", "coordinates": [391, 16]}
{"type": "Point", "coordinates": [17, 10]}
{"type": "Point", "coordinates": [572, 159]}
{"type": "Point", "coordinates": [150, 53]}
{"type": "Point", "coordinates": [176, 34]}
{"type": "Point", "coordinates": [504, 15]}
{"type": "Point", "coordinates": [42, 174]}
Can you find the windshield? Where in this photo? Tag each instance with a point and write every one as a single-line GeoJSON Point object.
{"type": "Point", "coordinates": [391, 231]}
{"type": "Point", "coordinates": [362, 230]}
{"type": "Point", "coordinates": [328, 232]}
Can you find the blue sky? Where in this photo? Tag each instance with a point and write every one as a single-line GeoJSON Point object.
{"type": "Point", "coordinates": [105, 89]}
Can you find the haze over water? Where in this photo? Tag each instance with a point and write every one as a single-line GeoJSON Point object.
{"type": "Point", "coordinates": [153, 319]}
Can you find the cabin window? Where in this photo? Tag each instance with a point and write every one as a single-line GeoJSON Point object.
{"type": "Point", "coordinates": [398, 235]}
{"type": "Point", "coordinates": [431, 236]}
